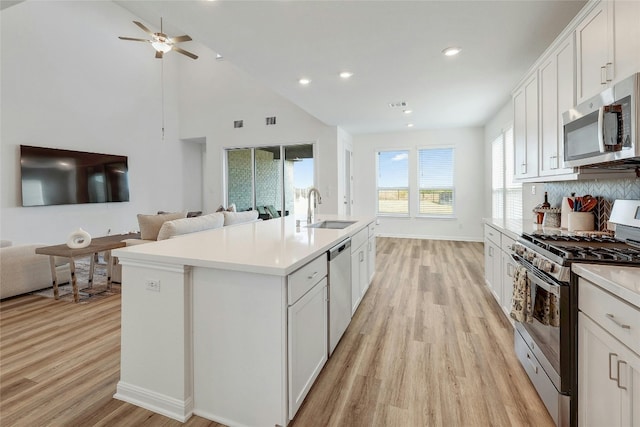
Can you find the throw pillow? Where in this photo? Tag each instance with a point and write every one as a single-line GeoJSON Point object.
{"type": "Point", "coordinates": [150, 224]}
{"type": "Point", "coordinates": [231, 218]}
{"type": "Point", "coordinates": [182, 226]}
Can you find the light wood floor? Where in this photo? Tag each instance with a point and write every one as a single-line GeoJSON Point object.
{"type": "Point", "coordinates": [428, 347]}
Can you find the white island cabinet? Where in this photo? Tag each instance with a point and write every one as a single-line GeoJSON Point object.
{"type": "Point", "coordinates": [229, 324]}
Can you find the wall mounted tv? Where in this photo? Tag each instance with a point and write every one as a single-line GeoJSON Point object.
{"type": "Point", "coordinates": [51, 176]}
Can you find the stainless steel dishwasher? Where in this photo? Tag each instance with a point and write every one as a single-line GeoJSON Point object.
{"type": "Point", "coordinates": [339, 291]}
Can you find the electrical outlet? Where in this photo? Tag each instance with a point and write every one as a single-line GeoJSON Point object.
{"type": "Point", "coordinates": [533, 190]}
{"type": "Point", "coordinates": [153, 285]}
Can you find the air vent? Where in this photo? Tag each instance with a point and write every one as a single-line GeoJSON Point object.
{"type": "Point", "coordinates": [238, 124]}
{"type": "Point", "coordinates": [400, 104]}
{"type": "Point", "coordinates": [270, 121]}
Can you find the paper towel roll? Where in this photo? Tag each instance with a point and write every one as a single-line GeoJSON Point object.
{"type": "Point", "coordinates": [79, 239]}
{"type": "Point", "coordinates": [580, 221]}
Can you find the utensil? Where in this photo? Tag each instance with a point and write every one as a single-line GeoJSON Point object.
{"type": "Point", "coordinates": [570, 202]}
{"type": "Point", "coordinates": [588, 203]}
{"type": "Point", "coordinates": [577, 204]}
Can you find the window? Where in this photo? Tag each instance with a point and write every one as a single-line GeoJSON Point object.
{"type": "Point", "coordinates": [268, 178]}
{"type": "Point", "coordinates": [506, 193]}
{"type": "Point", "coordinates": [436, 190]}
{"type": "Point", "coordinates": [393, 182]}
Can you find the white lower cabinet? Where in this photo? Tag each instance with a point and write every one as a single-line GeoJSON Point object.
{"type": "Point", "coordinates": [307, 343]}
{"type": "Point", "coordinates": [371, 258]}
{"type": "Point", "coordinates": [359, 268]}
{"type": "Point", "coordinates": [608, 368]}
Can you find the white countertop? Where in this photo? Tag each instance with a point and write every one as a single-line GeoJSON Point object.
{"type": "Point", "coordinates": [515, 227]}
{"type": "Point", "coordinates": [274, 247]}
{"type": "Point", "coordinates": [621, 281]}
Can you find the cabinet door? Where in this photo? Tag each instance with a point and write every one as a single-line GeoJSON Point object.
{"type": "Point", "coordinates": [371, 261]}
{"type": "Point", "coordinates": [508, 269]}
{"type": "Point", "coordinates": [557, 95]}
{"type": "Point", "coordinates": [356, 295]}
{"type": "Point", "coordinates": [599, 397]}
{"type": "Point", "coordinates": [307, 329]}
{"type": "Point", "coordinates": [492, 268]}
{"type": "Point", "coordinates": [525, 123]}
{"type": "Point", "coordinates": [592, 52]}
{"type": "Point", "coordinates": [626, 37]}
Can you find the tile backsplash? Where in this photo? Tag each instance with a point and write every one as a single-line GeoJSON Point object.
{"type": "Point", "coordinates": [606, 191]}
{"type": "Point", "coordinates": [609, 189]}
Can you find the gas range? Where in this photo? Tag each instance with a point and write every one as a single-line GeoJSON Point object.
{"type": "Point", "coordinates": [553, 253]}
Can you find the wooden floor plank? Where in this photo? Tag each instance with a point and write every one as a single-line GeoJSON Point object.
{"type": "Point", "coordinates": [428, 346]}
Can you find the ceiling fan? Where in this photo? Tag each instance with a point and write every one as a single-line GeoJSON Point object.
{"type": "Point", "coordinates": [161, 42]}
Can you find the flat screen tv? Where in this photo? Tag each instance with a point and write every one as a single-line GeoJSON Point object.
{"type": "Point", "coordinates": [52, 176]}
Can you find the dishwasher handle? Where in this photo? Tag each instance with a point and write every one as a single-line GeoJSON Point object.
{"type": "Point", "coordinates": [339, 248]}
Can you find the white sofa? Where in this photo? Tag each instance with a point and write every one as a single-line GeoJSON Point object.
{"type": "Point", "coordinates": [168, 226]}
{"type": "Point", "coordinates": [23, 271]}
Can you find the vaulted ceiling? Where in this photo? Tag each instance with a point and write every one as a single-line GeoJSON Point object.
{"type": "Point", "coordinates": [393, 48]}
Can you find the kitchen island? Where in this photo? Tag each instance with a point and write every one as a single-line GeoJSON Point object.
{"type": "Point", "coordinates": [207, 320]}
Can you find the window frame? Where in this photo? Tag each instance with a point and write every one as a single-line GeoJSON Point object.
{"type": "Point", "coordinates": [452, 215]}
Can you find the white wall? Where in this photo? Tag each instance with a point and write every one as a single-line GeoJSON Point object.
{"type": "Point", "coordinates": [468, 181]}
{"type": "Point", "coordinates": [502, 120]}
{"type": "Point", "coordinates": [69, 82]}
{"type": "Point", "coordinates": [214, 93]}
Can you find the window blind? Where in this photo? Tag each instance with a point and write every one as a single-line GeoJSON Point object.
{"type": "Point", "coordinates": [436, 186]}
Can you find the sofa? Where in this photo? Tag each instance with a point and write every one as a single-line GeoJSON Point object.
{"type": "Point", "coordinates": [23, 271]}
{"type": "Point", "coordinates": [165, 226]}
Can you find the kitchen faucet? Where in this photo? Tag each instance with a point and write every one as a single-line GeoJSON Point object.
{"type": "Point", "coordinates": [316, 202]}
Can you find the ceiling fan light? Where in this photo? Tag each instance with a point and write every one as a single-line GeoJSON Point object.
{"type": "Point", "coordinates": [161, 46]}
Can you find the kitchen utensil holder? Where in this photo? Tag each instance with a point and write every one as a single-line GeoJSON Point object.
{"type": "Point", "coordinates": [580, 221]}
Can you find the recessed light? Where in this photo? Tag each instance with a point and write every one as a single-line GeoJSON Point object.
{"type": "Point", "coordinates": [409, 125]}
{"type": "Point", "coordinates": [218, 56]}
{"type": "Point", "coordinates": [451, 51]}
{"type": "Point", "coordinates": [407, 111]}
{"type": "Point", "coordinates": [304, 81]}
{"type": "Point", "coordinates": [345, 74]}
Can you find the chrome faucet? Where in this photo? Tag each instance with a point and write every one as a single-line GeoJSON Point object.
{"type": "Point", "coordinates": [317, 201]}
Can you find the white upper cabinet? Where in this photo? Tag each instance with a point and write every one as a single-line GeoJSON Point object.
{"type": "Point", "coordinates": [607, 46]}
{"type": "Point", "coordinates": [557, 95]}
{"type": "Point", "coordinates": [592, 52]}
{"type": "Point", "coordinates": [626, 38]}
{"type": "Point", "coordinates": [525, 129]}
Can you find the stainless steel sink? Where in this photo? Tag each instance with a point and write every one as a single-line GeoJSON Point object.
{"type": "Point", "coordinates": [336, 225]}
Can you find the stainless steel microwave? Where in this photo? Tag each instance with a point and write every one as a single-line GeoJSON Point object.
{"type": "Point", "coordinates": [604, 128]}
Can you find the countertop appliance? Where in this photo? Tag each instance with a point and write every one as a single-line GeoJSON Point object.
{"type": "Point", "coordinates": [604, 128]}
{"type": "Point", "coordinates": [548, 351]}
{"type": "Point", "coordinates": [339, 258]}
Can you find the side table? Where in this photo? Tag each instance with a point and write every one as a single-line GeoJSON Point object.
{"type": "Point", "coordinates": [99, 244]}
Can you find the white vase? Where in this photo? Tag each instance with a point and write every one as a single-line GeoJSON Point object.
{"type": "Point", "coordinates": [79, 239]}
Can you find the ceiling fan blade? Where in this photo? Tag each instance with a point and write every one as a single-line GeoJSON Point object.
{"type": "Point", "coordinates": [184, 52]}
{"type": "Point", "coordinates": [143, 28]}
{"type": "Point", "coordinates": [179, 39]}
{"type": "Point", "coordinates": [159, 54]}
{"type": "Point", "coordinates": [134, 39]}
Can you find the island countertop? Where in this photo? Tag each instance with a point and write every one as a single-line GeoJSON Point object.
{"type": "Point", "coordinates": [274, 247]}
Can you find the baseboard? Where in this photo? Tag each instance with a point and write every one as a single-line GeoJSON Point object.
{"type": "Point", "coordinates": [164, 405]}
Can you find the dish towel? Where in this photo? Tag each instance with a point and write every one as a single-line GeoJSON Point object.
{"type": "Point", "coordinates": [546, 309]}
{"type": "Point", "coordinates": [521, 303]}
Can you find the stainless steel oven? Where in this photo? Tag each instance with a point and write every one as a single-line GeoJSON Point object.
{"type": "Point", "coordinates": [545, 341]}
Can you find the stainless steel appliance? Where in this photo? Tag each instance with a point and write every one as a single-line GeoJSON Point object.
{"type": "Point", "coordinates": [605, 128]}
{"type": "Point", "coordinates": [339, 291]}
{"type": "Point", "coordinates": [547, 350]}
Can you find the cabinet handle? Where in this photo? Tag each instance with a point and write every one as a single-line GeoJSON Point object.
{"type": "Point", "coordinates": [620, 362]}
{"type": "Point", "coordinates": [609, 72]}
{"type": "Point", "coordinates": [610, 375]}
{"type": "Point", "coordinates": [523, 168]}
{"type": "Point", "coordinates": [554, 163]}
{"type": "Point", "coordinates": [613, 319]}
{"type": "Point", "coordinates": [603, 75]}
{"type": "Point", "coordinates": [490, 250]}
{"type": "Point", "coordinates": [315, 273]}
{"type": "Point", "coordinates": [510, 269]}
{"type": "Point", "coordinates": [533, 365]}
{"type": "Point", "coordinates": [361, 256]}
